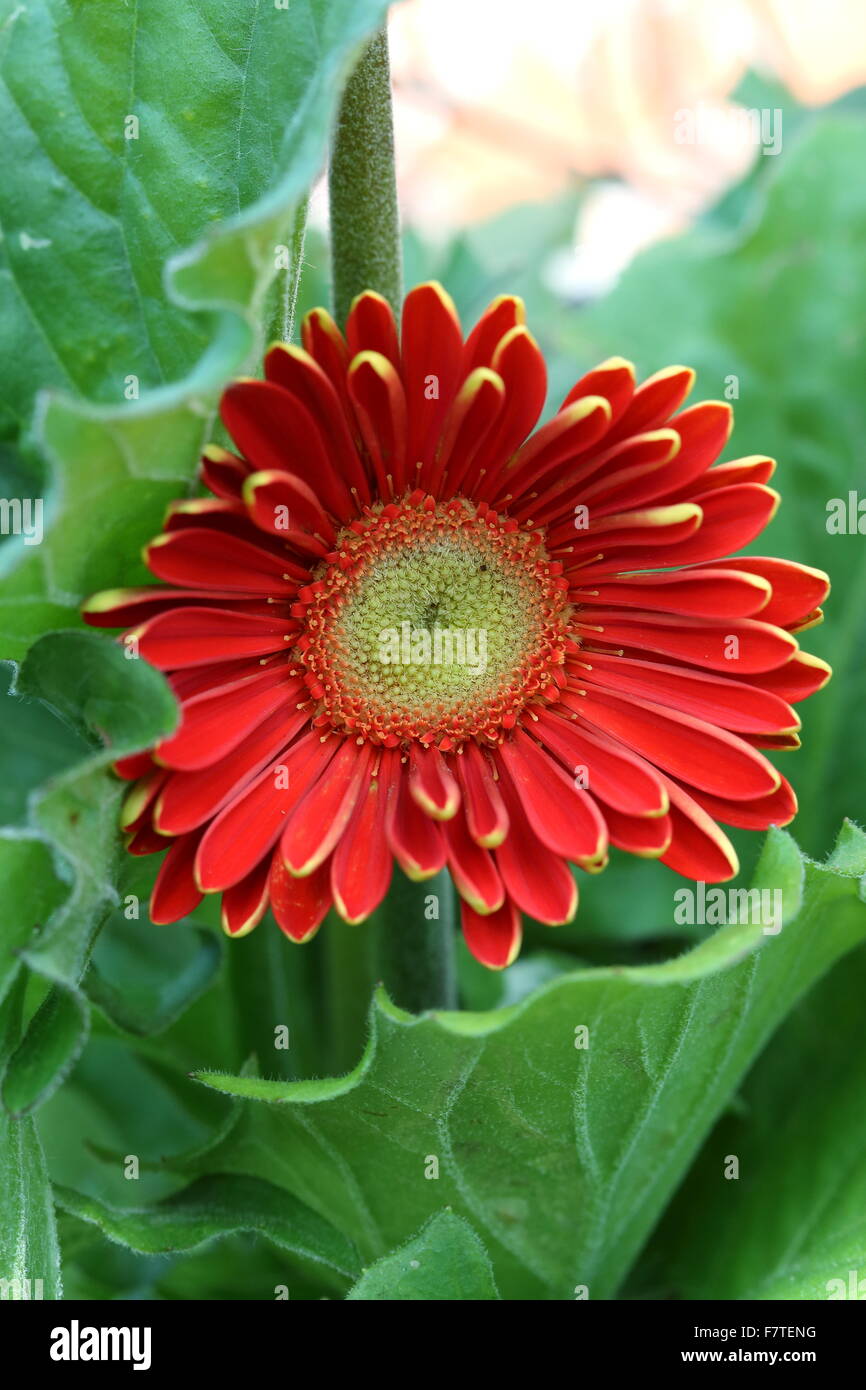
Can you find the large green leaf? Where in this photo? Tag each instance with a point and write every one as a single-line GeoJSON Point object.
{"type": "Point", "coordinates": [29, 1256]}
{"type": "Point", "coordinates": [445, 1262]}
{"type": "Point", "coordinates": [213, 1207]}
{"type": "Point", "coordinates": [140, 257]}
{"type": "Point", "coordinates": [561, 1157]}
{"type": "Point", "coordinates": [121, 706]}
{"type": "Point", "coordinates": [790, 1220]}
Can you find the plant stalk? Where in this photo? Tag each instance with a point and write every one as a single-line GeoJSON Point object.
{"type": "Point", "coordinates": [365, 223]}
{"type": "Point", "coordinates": [416, 943]}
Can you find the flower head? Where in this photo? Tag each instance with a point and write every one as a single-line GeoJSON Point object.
{"type": "Point", "coordinates": [405, 627]}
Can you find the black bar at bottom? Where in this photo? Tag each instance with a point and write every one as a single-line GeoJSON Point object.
{"type": "Point", "coordinates": [75, 1339]}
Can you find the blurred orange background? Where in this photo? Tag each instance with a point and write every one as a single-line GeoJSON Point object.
{"type": "Point", "coordinates": [505, 102]}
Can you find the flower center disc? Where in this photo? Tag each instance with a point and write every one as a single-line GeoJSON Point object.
{"type": "Point", "coordinates": [433, 621]}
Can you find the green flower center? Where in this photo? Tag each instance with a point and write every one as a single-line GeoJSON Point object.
{"type": "Point", "coordinates": [433, 622]}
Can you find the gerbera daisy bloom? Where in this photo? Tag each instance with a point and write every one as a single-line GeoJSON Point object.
{"type": "Point", "coordinates": [603, 675]}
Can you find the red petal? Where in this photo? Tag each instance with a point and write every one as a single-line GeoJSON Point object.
{"type": "Point", "coordinates": [146, 841]}
{"type": "Point", "coordinates": [538, 881]}
{"type": "Point", "coordinates": [473, 869]}
{"type": "Point", "coordinates": [325, 343]}
{"type": "Point", "coordinates": [613, 773]}
{"type": "Point", "coordinates": [564, 817]}
{"type": "Point", "coordinates": [362, 865]}
{"type": "Point", "coordinates": [704, 430]}
{"type": "Point", "coordinates": [316, 822]}
{"type": "Point", "coordinates": [473, 416]}
{"type": "Point", "coordinates": [756, 468]}
{"type": "Point", "coordinates": [734, 705]}
{"type": "Point", "coordinates": [614, 379]}
{"type": "Point", "coordinates": [190, 798]}
{"type": "Point", "coordinates": [297, 371]}
{"type": "Point", "coordinates": [122, 607]}
{"type": "Point", "coordinates": [175, 892]}
{"type": "Point", "coordinates": [700, 641]}
{"type": "Point", "coordinates": [519, 362]}
{"type": "Point", "coordinates": [210, 558]}
{"type": "Point", "coordinates": [710, 758]}
{"type": "Point", "coordinates": [779, 742]}
{"type": "Point", "coordinates": [215, 722]}
{"type": "Point", "coordinates": [251, 823]}
{"type": "Point", "coordinates": [415, 839]}
{"type": "Point", "coordinates": [798, 678]}
{"type": "Point", "coordinates": [704, 593]}
{"type": "Point", "coordinates": [299, 905]}
{"type": "Point", "coordinates": [284, 506]}
{"type": "Point", "coordinates": [779, 808]}
{"type": "Point", "coordinates": [733, 517]}
{"type": "Point", "coordinates": [133, 767]}
{"type": "Point", "coordinates": [370, 327]}
{"type": "Point", "coordinates": [135, 811]}
{"type": "Point", "coordinates": [646, 836]}
{"type": "Point", "coordinates": [486, 815]}
{"type": "Point", "coordinates": [797, 589]}
{"type": "Point", "coordinates": [196, 636]}
{"type": "Point", "coordinates": [223, 473]}
{"type": "Point", "coordinates": [377, 394]}
{"type": "Point", "coordinates": [625, 534]}
{"type": "Point", "coordinates": [498, 319]}
{"type": "Point", "coordinates": [210, 515]}
{"type": "Point", "coordinates": [654, 401]}
{"type": "Point", "coordinates": [197, 679]}
{"type": "Point", "coordinates": [274, 430]}
{"type": "Point", "coordinates": [629, 458]}
{"type": "Point", "coordinates": [699, 849]}
{"type": "Point", "coordinates": [572, 431]}
{"type": "Point", "coordinates": [245, 904]}
{"type": "Point", "coordinates": [432, 783]}
{"type": "Point", "coordinates": [494, 939]}
{"type": "Point", "coordinates": [432, 352]}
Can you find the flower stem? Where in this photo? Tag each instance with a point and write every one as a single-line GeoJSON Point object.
{"type": "Point", "coordinates": [365, 223]}
{"type": "Point", "coordinates": [284, 290]}
{"type": "Point", "coordinates": [416, 943]}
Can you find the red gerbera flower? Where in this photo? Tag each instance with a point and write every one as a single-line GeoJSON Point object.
{"type": "Point", "coordinates": [602, 675]}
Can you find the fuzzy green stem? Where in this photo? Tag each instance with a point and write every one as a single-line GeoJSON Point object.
{"type": "Point", "coordinates": [365, 223]}
{"type": "Point", "coordinates": [416, 944]}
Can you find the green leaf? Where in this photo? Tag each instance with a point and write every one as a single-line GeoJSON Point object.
{"type": "Point", "coordinates": [125, 705]}
{"type": "Point", "coordinates": [29, 1256]}
{"type": "Point", "coordinates": [445, 1261]}
{"type": "Point", "coordinates": [790, 1221]}
{"type": "Point", "coordinates": [32, 892]}
{"type": "Point", "coordinates": [49, 1050]}
{"type": "Point", "coordinates": [214, 1207]}
{"type": "Point", "coordinates": [139, 257]}
{"type": "Point", "coordinates": [121, 705]}
{"type": "Point", "coordinates": [143, 979]}
{"type": "Point", "coordinates": [93, 685]}
{"type": "Point", "coordinates": [561, 1157]}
